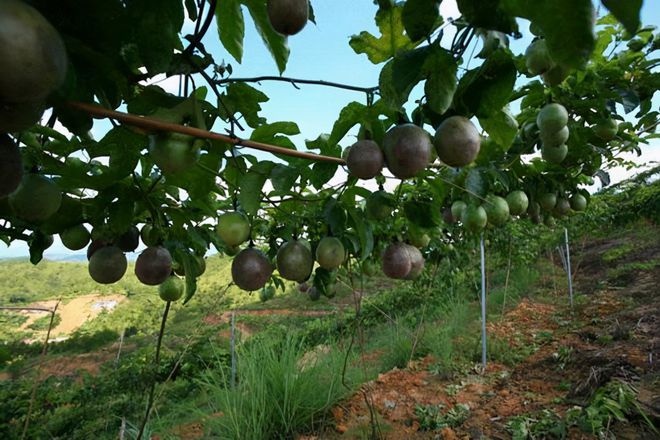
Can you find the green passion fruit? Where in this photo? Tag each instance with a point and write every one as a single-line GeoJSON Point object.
{"type": "Point", "coordinates": [294, 261]}
{"type": "Point", "coordinates": [379, 205]}
{"type": "Point", "coordinates": [173, 152]}
{"type": "Point", "coordinates": [75, 238]}
{"type": "Point", "coordinates": [554, 155]}
{"type": "Point", "coordinates": [171, 289]}
{"type": "Point", "coordinates": [11, 166]}
{"type": "Point", "coordinates": [36, 199]}
{"type": "Point", "coordinates": [606, 129]}
{"type": "Point", "coordinates": [497, 210]}
{"type": "Point", "coordinates": [330, 253]}
{"type": "Point", "coordinates": [457, 208]}
{"type": "Point", "coordinates": [233, 228]}
{"type": "Point", "coordinates": [552, 118]}
{"type": "Point", "coordinates": [548, 201]}
{"type": "Point", "coordinates": [537, 58]}
{"type": "Point", "coordinates": [518, 202]}
{"type": "Point", "coordinates": [474, 218]}
{"type": "Point", "coordinates": [578, 202]}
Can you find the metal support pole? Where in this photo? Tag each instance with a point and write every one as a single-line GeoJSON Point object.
{"type": "Point", "coordinates": [483, 303]}
{"type": "Point", "coordinates": [568, 265]}
{"type": "Point", "coordinates": [232, 343]}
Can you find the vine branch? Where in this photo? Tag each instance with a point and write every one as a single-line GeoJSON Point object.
{"type": "Point", "coordinates": [157, 125]}
{"type": "Point", "coordinates": [294, 81]}
{"type": "Point", "coordinates": [150, 401]}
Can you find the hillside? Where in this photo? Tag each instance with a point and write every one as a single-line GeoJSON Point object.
{"type": "Point", "coordinates": [381, 359]}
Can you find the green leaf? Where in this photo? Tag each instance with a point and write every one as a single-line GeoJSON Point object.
{"type": "Point", "coordinates": [123, 146]}
{"type": "Point", "coordinates": [334, 216]}
{"type": "Point", "coordinates": [120, 212]}
{"type": "Point", "coordinates": [488, 14]}
{"type": "Point", "coordinates": [324, 279]}
{"type": "Point", "coordinates": [571, 39]}
{"type": "Point", "coordinates": [474, 183]}
{"type": "Point", "coordinates": [231, 26]}
{"type": "Point", "coordinates": [190, 268]}
{"type": "Point", "coordinates": [423, 213]}
{"type": "Point", "coordinates": [198, 181]}
{"type": "Point", "coordinates": [400, 75]}
{"type": "Point", "coordinates": [502, 128]}
{"type": "Point", "coordinates": [251, 185]}
{"type": "Point", "coordinates": [627, 12]}
{"type": "Point", "coordinates": [276, 43]}
{"type": "Point", "coordinates": [441, 82]}
{"type": "Point", "coordinates": [420, 17]}
{"type": "Point", "coordinates": [392, 41]}
{"type": "Point", "coordinates": [364, 230]}
{"type": "Point", "coordinates": [322, 143]}
{"type": "Point", "coordinates": [267, 132]}
{"type": "Point", "coordinates": [322, 172]}
{"type": "Point", "coordinates": [244, 99]}
{"type": "Point", "coordinates": [191, 9]}
{"type": "Point", "coordinates": [408, 70]}
{"type": "Point", "coordinates": [349, 116]}
{"type": "Point", "coordinates": [158, 32]}
{"type": "Point", "coordinates": [38, 245]}
{"type": "Point", "coordinates": [490, 151]}
{"type": "Point", "coordinates": [283, 177]}
{"type": "Point", "coordinates": [486, 90]}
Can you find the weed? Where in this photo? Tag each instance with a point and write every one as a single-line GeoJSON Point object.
{"type": "Point", "coordinates": [615, 401]}
{"type": "Point", "coordinates": [542, 425]}
{"type": "Point", "coordinates": [563, 356]}
{"type": "Point", "coordinates": [276, 396]}
{"type": "Point", "coordinates": [618, 252]}
{"type": "Point", "coordinates": [431, 417]}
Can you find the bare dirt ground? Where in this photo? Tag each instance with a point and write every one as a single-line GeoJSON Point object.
{"type": "Point", "coordinates": [614, 333]}
{"type": "Point", "coordinates": [73, 313]}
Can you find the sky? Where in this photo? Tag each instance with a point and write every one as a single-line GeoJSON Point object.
{"type": "Point", "coordinates": [321, 52]}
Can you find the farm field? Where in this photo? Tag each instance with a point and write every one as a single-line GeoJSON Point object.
{"type": "Point", "coordinates": [328, 220]}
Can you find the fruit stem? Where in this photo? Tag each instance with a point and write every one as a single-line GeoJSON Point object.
{"type": "Point", "coordinates": [154, 124]}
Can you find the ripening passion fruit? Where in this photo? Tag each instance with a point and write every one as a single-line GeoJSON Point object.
{"type": "Point", "coordinates": [457, 141]}
{"type": "Point", "coordinates": [34, 60]}
{"type": "Point", "coordinates": [365, 159]}
{"type": "Point", "coordinates": [107, 265]}
{"type": "Point", "coordinates": [153, 265]}
{"type": "Point", "coordinates": [407, 150]}
{"type": "Point", "coordinates": [288, 17]}
{"type": "Point", "coordinates": [251, 269]}
{"type": "Point", "coordinates": [396, 262]}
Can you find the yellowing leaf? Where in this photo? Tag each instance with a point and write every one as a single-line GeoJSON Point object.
{"type": "Point", "coordinates": [392, 41]}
